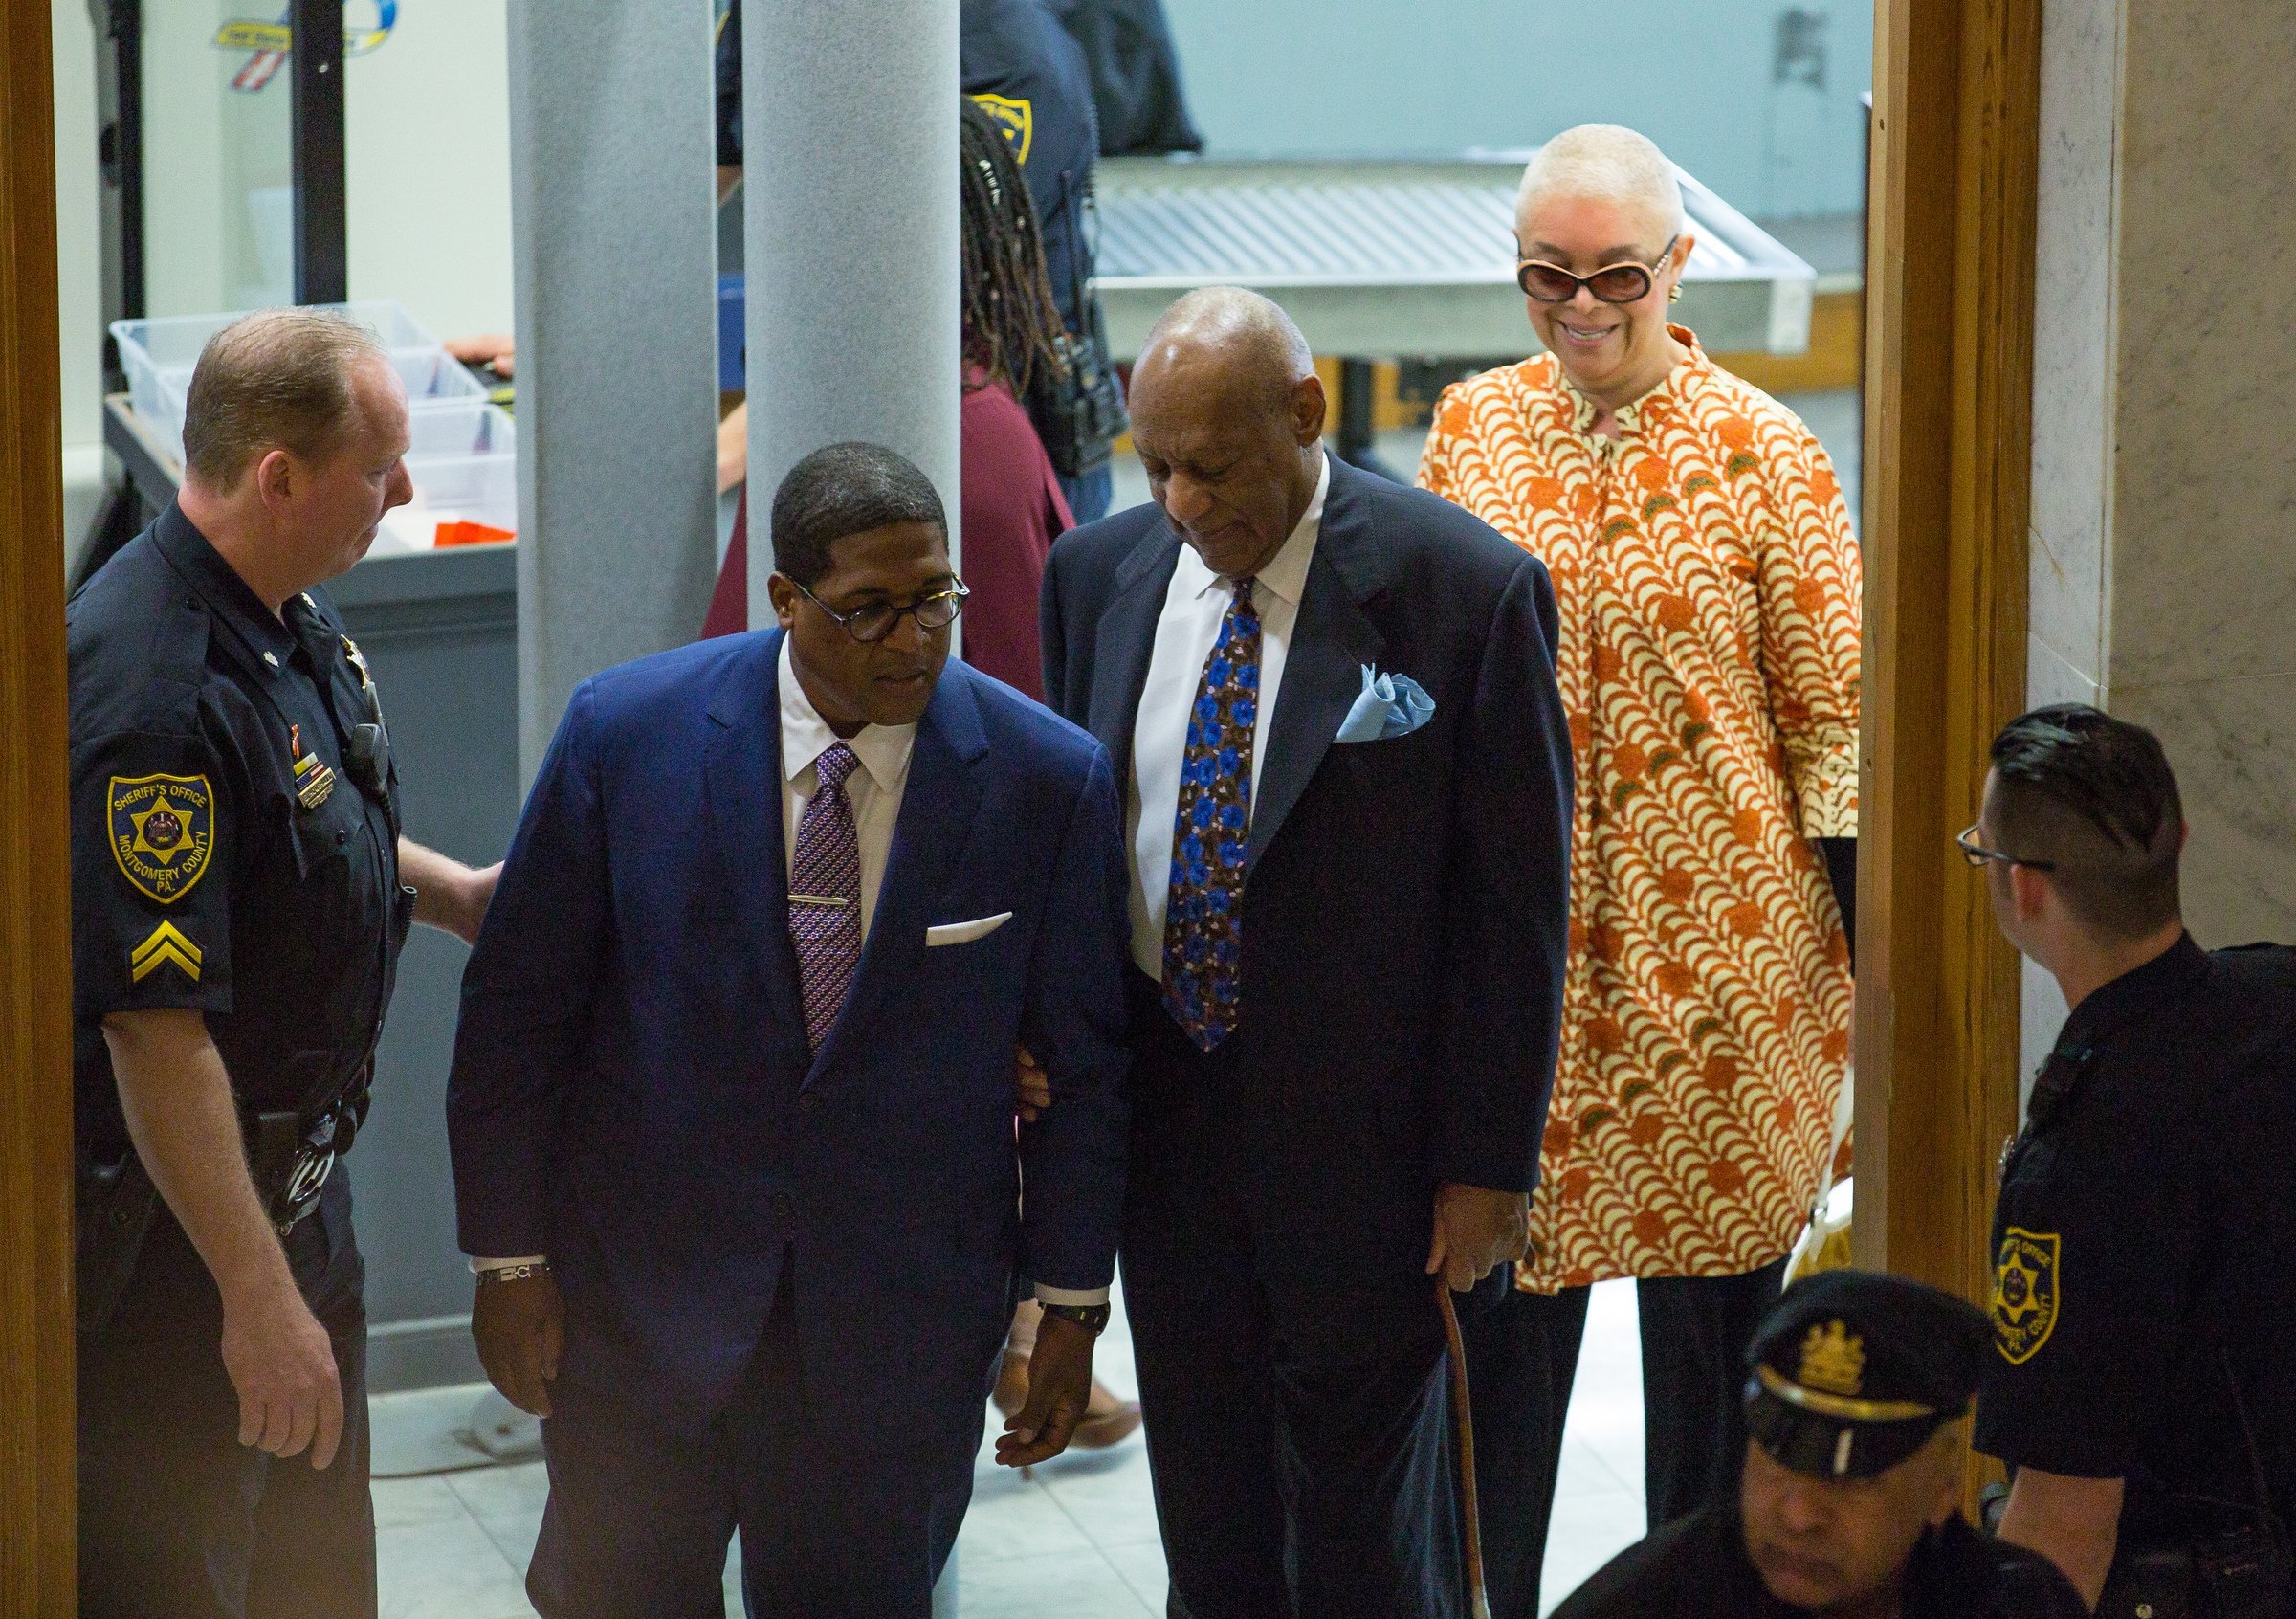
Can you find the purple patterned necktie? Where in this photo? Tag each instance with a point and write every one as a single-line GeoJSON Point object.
{"type": "Point", "coordinates": [824, 895]}
{"type": "Point", "coordinates": [1211, 834]}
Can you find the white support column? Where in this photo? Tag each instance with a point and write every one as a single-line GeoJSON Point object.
{"type": "Point", "coordinates": [849, 147]}
{"type": "Point", "coordinates": [613, 227]}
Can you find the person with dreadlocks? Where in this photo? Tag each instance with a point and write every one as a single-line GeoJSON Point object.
{"type": "Point", "coordinates": [1011, 503]}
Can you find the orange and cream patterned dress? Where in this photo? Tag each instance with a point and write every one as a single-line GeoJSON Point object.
{"type": "Point", "coordinates": [1707, 580]}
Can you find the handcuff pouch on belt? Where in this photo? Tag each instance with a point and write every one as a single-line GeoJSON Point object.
{"type": "Point", "coordinates": [290, 1152]}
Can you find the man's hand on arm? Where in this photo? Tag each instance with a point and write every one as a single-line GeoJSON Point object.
{"type": "Point", "coordinates": [1060, 1385]}
{"type": "Point", "coordinates": [1031, 1086]}
{"type": "Point", "coordinates": [448, 894]}
{"type": "Point", "coordinates": [2074, 1522]}
{"type": "Point", "coordinates": [521, 1328]}
{"type": "Point", "coordinates": [177, 1099]}
{"type": "Point", "coordinates": [1477, 1230]}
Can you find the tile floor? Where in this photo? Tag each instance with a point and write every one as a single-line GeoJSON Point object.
{"type": "Point", "coordinates": [1078, 1540]}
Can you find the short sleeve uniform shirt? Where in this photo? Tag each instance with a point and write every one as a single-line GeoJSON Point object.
{"type": "Point", "coordinates": [2145, 1240]}
{"type": "Point", "coordinates": [233, 829]}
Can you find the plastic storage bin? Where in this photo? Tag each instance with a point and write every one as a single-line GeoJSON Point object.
{"type": "Point", "coordinates": [159, 356]}
{"type": "Point", "coordinates": [463, 459]}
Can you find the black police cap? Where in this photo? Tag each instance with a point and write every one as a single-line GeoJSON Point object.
{"type": "Point", "coordinates": [1852, 1371]}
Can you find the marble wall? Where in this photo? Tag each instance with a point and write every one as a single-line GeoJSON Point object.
{"type": "Point", "coordinates": [2163, 560]}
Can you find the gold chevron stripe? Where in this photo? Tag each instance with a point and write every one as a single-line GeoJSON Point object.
{"type": "Point", "coordinates": [166, 944]}
{"type": "Point", "coordinates": [159, 959]}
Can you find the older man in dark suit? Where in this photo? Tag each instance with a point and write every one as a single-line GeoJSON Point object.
{"type": "Point", "coordinates": [1332, 707]}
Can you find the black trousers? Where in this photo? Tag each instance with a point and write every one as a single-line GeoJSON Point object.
{"type": "Point", "coordinates": [1301, 1466]}
{"type": "Point", "coordinates": [834, 1524]}
{"type": "Point", "coordinates": [177, 1518]}
{"type": "Point", "coordinates": [1522, 1357]}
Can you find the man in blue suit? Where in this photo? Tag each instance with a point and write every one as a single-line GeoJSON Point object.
{"type": "Point", "coordinates": [1332, 706]}
{"type": "Point", "coordinates": [732, 1106]}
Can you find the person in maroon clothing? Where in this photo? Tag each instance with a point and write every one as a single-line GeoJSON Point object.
{"type": "Point", "coordinates": [1011, 512]}
{"type": "Point", "coordinates": [1011, 505]}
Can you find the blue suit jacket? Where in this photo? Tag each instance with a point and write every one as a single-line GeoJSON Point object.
{"type": "Point", "coordinates": [632, 1095]}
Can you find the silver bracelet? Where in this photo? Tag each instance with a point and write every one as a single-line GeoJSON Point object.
{"type": "Point", "coordinates": [513, 1272]}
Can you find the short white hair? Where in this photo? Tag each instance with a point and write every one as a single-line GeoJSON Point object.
{"type": "Point", "coordinates": [1607, 161]}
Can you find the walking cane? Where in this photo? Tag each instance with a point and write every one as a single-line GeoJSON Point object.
{"type": "Point", "coordinates": [1463, 1420]}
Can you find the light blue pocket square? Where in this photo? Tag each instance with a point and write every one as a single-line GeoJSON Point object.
{"type": "Point", "coordinates": [1391, 705]}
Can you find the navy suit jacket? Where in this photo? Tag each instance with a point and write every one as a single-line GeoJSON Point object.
{"type": "Point", "coordinates": [632, 1095]}
{"type": "Point", "coordinates": [1404, 903]}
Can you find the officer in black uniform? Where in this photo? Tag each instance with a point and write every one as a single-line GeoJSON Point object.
{"type": "Point", "coordinates": [1849, 1501]}
{"type": "Point", "coordinates": [240, 893]}
{"type": "Point", "coordinates": [2143, 1387]}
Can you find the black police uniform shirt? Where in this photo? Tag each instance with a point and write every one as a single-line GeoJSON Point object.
{"type": "Point", "coordinates": [1696, 1567]}
{"type": "Point", "coordinates": [2145, 1240]}
{"type": "Point", "coordinates": [1028, 74]}
{"type": "Point", "coordinates": [225, 857]}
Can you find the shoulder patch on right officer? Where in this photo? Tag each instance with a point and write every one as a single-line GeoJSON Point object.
{"type": "Point", "coordinates": [2025, 1293]}
{"type": "Point", "coordinates": [162, 829]}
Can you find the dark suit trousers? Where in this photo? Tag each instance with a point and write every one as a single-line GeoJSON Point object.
{"type": "Point", "coordinates": [1297, 1473]}
{"type": "Point", "coordinates": [833, 1523]}
{"type": "Point", "coordinates": [177, 1518]}
{"type": "Point", "coordinates": [1522, 1357]}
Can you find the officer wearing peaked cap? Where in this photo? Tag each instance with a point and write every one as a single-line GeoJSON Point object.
{"type": "Point", "coordinates": [1848, 1501]}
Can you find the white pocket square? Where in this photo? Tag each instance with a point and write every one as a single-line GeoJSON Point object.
{"type": "Point", "coordinates": [965, 933]}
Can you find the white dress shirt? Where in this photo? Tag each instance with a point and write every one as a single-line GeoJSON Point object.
{"type": "Point", "coordinates": [874, 791]}
{"type": "Point", "coordinates": [1194, 604]}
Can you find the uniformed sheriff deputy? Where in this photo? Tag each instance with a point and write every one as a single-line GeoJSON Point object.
{"type": "Point", "coordinates": [2143, 1385]}
{"type": "Point", "coordinates": [240, 891]}
{"type": "Point", "coordinates": [1848, 1503]}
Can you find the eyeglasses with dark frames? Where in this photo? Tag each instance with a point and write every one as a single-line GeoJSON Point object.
{"type": "Point", "coordinates": [1980, 856]}
{"type": "Point", "coordinates": [871, 624]}
{"type": "Point", "coordinates": [1612, 283]}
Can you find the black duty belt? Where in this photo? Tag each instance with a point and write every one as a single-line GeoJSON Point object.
{"type": "Point", "coordinates": [291, 1159]}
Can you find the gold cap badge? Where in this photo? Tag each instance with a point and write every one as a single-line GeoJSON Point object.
{"type": "Point", "coordinates": [1833, 1360]}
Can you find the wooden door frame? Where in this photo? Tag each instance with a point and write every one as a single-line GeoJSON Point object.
{"type": "Point", "coordinates": [1955, 182]}
{"type": "Point", "coordinates": [37, 1478]}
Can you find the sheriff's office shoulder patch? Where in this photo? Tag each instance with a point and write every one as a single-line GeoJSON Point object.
{"type": "Point", "coordinates": [1016, 117]}
{"type": "Point", "coordinates": [163, 830]}
{"type": "Point", "coordinates": [167, 946]}
{"type": "Point", "coordinates": [2025, 1293]}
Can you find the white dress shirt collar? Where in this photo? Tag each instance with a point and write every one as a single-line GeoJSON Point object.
{"type": "Point", "coordinates": [805, 736]}
{"type": "Point", "coordinates": [1286, 573]}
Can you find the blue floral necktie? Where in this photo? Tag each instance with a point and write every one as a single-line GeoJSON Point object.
{"type": "Point", "coordinates": [1211, 834]}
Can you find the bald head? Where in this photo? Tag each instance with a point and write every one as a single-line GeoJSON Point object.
{"type": "Point", "coordinates": [1228, 416]}
{"type": "Point", "coordinates": [1247, 340]}
{"type": "Point", "coordinates": [1605, 163]}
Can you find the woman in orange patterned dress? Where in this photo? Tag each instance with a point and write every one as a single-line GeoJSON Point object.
{"type": "Point", "coordinates": [1707, 577]}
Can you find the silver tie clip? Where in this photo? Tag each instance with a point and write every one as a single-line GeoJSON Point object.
{"type": "Point", "coordinates": [828, 900]}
